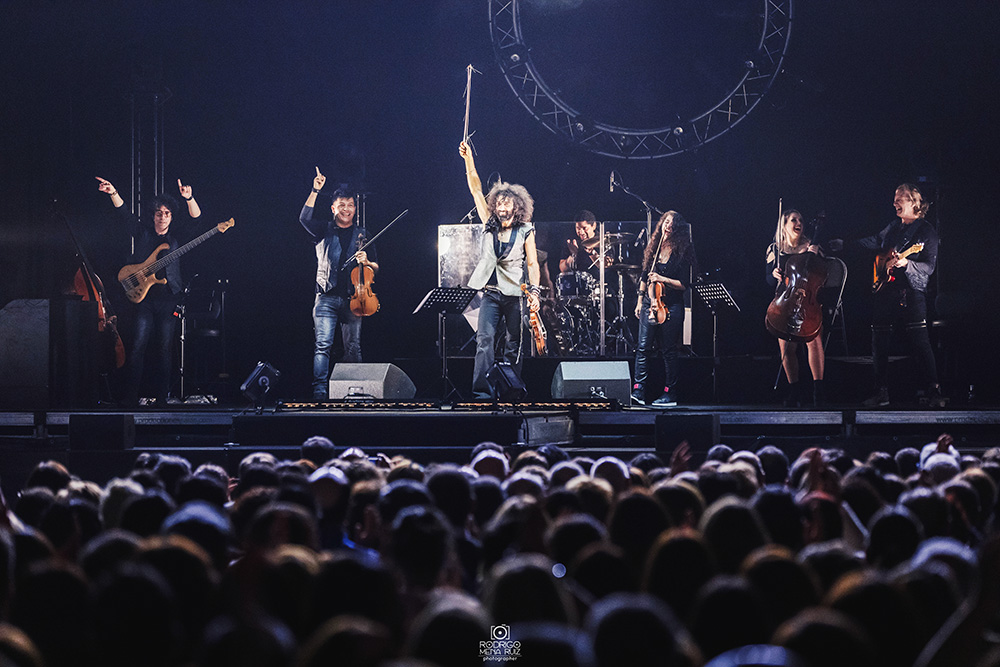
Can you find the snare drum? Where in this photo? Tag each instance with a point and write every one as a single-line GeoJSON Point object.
{"type": "Point", "coordinates": [575, 283]}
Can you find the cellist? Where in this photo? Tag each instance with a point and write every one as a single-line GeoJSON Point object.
{"type": "Point", "coordinates": [669, 262]}
{"type": "Point", "coordinates": [790, 240]}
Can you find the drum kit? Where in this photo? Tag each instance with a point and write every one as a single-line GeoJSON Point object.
{"type": "Point", "coordinates": [576, 309]}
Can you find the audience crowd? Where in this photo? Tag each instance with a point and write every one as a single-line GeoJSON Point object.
{"type": "Point", "coordinates": [530, 557]}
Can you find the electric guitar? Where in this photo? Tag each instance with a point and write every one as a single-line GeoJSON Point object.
{"type": "Point", "coordinates": [136, 279]}
{"type": "Point", "coordinates": [883, 275]}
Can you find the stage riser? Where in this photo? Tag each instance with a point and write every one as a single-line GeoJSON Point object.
{"type": "Point", "coordinates": [438, 429]}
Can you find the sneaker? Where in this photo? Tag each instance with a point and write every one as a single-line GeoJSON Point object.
{"type": "Point", "coordinates": [879, 400]}
{"type": "Point", "coordinates": [638, 398]}
{"type": "Point", "coordinates": [669, 398]}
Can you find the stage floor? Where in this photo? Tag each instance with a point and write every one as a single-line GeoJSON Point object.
{"type": "Point", "coordinates": [100, 444]}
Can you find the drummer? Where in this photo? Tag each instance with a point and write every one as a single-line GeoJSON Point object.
{"type": "Point", "coordinates": [579, 258]}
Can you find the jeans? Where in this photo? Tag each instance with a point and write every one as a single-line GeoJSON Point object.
{"type": "Point", "coordinates": [665, 336]}
{"type": "Point", "coordinates": [909, 307]}
{"type": "Point", "coordinates": [328, 309]}
{"type": "Point", "coordinates": [494, 307]}
{"type": "Point", "coordinates": [153, 316]}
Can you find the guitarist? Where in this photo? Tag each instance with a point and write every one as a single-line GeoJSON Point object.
{"type": "Point", "coordinates": [903, 299]}
{"type": "Point", "coordinates": [154, 317]}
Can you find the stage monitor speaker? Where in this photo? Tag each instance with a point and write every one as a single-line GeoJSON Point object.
{"type": "Point", "coordinates": [102, 432]}
{"type": "Point", "coordinates": [701, 431]}
{"type": "Point", "coordinates": [386, 381]}
{"type": "Point", "coordinates": [592, 379]}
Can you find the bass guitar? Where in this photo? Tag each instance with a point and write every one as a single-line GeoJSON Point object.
{"type": "Point", "coordinates": [537, 328]}
{"type": "Point", "coordinates": [136, 279]}
{"type": "Point", "coordinates": [882, 275]}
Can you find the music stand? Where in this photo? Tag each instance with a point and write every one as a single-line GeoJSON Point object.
{"type": "Point", "coordinates": [445, 300]}
{"type": "Point", "coordinates": [715, 295]}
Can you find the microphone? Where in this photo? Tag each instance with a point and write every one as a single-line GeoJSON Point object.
{"type": "Point", "coordinates": [640, 240]}
{"type": "Point", "coordinates": [611, 185]}
{"type": "Point", "coordinates": [468, 216]}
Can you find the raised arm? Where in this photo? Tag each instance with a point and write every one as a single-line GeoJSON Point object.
{"type": "Point", "coordinates": [314, 228]}
{"type": "Point", "coordinates": [106, 187]}
{"type": "Point", "coordinates": [187, 194]}
{"type": "Point", "coordinates": [475, 185]}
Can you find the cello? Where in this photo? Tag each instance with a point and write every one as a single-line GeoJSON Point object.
{"type": "Point", "coordinates": [795, 314]}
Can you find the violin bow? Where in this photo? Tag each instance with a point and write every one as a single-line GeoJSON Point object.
{"type": "Point", "coordinates": [469, 69]}
{"type": "Point", "coordinates": [372, 239]}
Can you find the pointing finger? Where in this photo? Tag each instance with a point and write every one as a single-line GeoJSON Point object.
{"type": "Point", "coordinates": [317, 172]}
{"type": "Point", "coordinates": [179, 183]}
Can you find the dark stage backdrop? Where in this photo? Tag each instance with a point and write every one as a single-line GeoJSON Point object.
{"type": "Point", "coordinates": [874, 94]}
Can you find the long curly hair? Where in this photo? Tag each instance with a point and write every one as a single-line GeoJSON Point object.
{"type": "Point", "coordinates": [678, 240]}
{"type": "Point", "coordinates": [524, 205]}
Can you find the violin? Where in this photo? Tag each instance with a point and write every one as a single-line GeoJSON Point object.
{"type": "Point", "coordinates": [363, 301]}
{"type": "Point", "coordinates": [658, 311]}
{"type": "Point", "coordinates": [537, 328]}
{"type": "Point", "coordinates": [795, 314]}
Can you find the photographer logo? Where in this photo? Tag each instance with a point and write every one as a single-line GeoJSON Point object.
{"type": "Point", "coordinates": [500, 647]}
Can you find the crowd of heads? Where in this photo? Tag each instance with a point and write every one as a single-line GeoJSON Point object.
{"type": "Point", "coordinates": [530, 557]}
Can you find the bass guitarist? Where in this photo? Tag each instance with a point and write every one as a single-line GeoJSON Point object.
{"type": "Point", "coordinates": [901, 298]}
{"type": "Point", "coordinates": [154, 316]}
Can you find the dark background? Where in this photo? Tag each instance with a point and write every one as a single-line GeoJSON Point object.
{"type": "Point", "coordinates": [873, 94]}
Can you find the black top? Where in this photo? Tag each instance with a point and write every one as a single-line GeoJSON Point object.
{"type": "Point", "coordinates": [146, 241]}
{"type": "Point", "coordinates": [676, 268]}
{"type": "Point", "coordinates": [897, 236]}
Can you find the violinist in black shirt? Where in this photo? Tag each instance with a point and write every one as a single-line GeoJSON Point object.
{"type": "Point", "coordinates": [666, 268]}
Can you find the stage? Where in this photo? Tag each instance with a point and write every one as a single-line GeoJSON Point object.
{"type": "Point", "coordinates": [102, 443]}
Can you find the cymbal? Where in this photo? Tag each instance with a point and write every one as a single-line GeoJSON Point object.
{"type": "Point", "coordinates": [624, 267]}
{"type": "Point", "coordinates": [609, 239]}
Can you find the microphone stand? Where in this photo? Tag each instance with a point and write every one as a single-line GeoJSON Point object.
{"type": "Point", "coordinates": [616, 182]}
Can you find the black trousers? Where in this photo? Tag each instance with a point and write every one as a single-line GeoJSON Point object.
{"type": "Point", "coordinates": [906, 307]}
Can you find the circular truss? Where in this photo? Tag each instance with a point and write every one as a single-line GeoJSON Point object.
{"type": "Point", "coordinates": [542, 102]}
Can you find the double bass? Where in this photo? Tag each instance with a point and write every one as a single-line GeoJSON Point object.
{"type": "Point", "coordinates": [88, 286]}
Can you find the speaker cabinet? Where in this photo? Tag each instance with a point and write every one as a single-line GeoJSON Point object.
{"type": "Point", "coordinates": [386, 381]}
{"type": "Point", "coordinates": [700, 430]}
{"type": "Point", "coordinates": [48, 354]}
{"type": "Point", "coordinates": [592, 379]}
{"type": "Point", "coordinates": [102, 432]}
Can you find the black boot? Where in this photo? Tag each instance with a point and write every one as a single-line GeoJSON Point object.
{"type": "Point", "coordinates": [794, 397]}
{"type": "Point", "coordinates": [819, 393]}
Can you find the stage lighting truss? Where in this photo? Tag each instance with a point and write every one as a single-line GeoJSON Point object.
{"type": "Point", "coordinates": [514, 57]}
